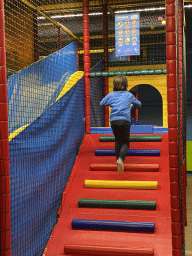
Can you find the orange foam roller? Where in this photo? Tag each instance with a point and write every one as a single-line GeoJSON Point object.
{"type": "Point", "coordinates": [127, 167]}
{"type": "Point", "coordinates": [105, 251]}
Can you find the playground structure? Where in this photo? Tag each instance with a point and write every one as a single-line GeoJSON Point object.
{"type": "Point", "coordinates": [52, 79]}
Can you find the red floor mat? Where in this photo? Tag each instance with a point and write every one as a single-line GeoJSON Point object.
{"type": "Point", "coordinates": [160, 240]}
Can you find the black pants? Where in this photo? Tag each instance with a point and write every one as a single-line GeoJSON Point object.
{"type": "Point", "coordinates": [121, 130]}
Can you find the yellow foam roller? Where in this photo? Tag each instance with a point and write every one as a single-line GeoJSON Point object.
{"type": "Point", "coordinates": [121, 184]}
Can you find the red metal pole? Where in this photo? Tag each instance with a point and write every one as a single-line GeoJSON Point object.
{"type": "Point", "coordinates": [105, 46]}
{"type": "Point", "coordinates": [86, 65]}
{"type": "Point", "coordinates": [4, 146]}
{"type": "Point", "coordinates": [59, 42]}
{"type": "Point", "coordinates": [173, 123]}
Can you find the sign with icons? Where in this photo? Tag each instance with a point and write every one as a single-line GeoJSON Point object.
{"type": "Point", "coordinates": [127, 34]}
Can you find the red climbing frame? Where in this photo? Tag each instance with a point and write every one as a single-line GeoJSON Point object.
{"type": "Point", "coordinates": [4, 147]}
{"type": "Point", "coordinates": [86, 65]}
{"type": "Point", "coordinates": [87, 62]}
{"type": "Point", "coordinates": [174, 81]}
{"type": "Point", "coordinates": [105, 46]}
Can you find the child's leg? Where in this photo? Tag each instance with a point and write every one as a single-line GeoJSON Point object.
{"type": "Point", "coordinates": [125, 134]}
{"type": "Point", "coordinates": [123, 150]}
{"type": "Point", "coordinates": [115, 128]}
{"type": "Point", "coordinates": [121, 130]}
{"type": "Point", "coordinates": [117, 148]}
{"type": "Point", "coordinates": [125, 139]}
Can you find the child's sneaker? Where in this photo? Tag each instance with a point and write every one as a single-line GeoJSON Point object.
{"type": "Point", "coordinates": [120, 165]}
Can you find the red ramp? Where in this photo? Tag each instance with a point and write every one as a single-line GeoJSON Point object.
{"type": "Point", "coordinates": [67, 241]}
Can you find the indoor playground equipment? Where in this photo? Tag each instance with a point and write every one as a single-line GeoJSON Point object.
{"type": "Point", "coordinates": [61, 193]}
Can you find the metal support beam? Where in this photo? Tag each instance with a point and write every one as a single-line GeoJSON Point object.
{"type": "Point", "coordinates": [28, 3]}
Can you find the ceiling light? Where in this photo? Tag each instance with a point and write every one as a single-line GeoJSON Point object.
{"type": "Point", "coordinates": [116, 12]}
{"type": "Point", "coordinates": [141, 10]}
{"type": "Point", "coordinates": [188, 6]}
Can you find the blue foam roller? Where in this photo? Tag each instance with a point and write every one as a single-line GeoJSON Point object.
{"type": "Point", "coordinates": [130, 152]}
{"type": "Point", "coordinates": [113, 225]}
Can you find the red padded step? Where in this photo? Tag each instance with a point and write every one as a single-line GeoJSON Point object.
{"type": "Point", "coordinates": [105, 251]}
{"type": "Point", "coordinates": [127, 167]}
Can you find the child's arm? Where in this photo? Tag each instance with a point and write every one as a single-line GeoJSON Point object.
{"type": "Point", "coordinates": [103, 103]}
{"type": "Point", "coordinates": [136, 103]}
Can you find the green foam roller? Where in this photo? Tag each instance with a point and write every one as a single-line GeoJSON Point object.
{"type": "Point", "coordinates": [137, 72]}
{"type": "Point", "coordinates": [144, 72]}
{"type": "Point", "coordinates": [105, 73]}
{"type": "Point", "coordinates": [117, 73]}
{"type": "Point", "coordinates": [151, 72]}
{"type": "Point", "coordinates": [111, 73]}
{"type": "Point", "coordinates": [164, 71]}
{"type": "Point", "coordinates": [123, 73]}
{"type": "Point", "coordinates": [142, 138]}
{"type": "Point", "coordinates": [121, 204]}
{"type": "Point", "coordinates": [93, 74]}
{"type": "Point", "coordinates": [129, 73]}
{"type": "Point", "coordinates": [158, 71]}
{"type": "Point", "coordinates": [98, 74]}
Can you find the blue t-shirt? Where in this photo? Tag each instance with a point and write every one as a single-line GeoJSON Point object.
{"type": "Point", "coordinates": [120, 102]}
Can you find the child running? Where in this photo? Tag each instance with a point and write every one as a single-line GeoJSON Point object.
{"type": "Point", "coordinates": [120, 101]}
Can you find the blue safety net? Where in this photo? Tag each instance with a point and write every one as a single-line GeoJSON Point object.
{"type": "Point", "coordinates": [97, 94]}
{"type": "Point", "coordinates": [41, 160]}
{"type": "Point", "coordinates": [35, 88]}
{"type": "Point", "coordinates": [43, 154]}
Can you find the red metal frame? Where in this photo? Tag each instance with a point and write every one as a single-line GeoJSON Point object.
{"type": "Point", "coordinates": [178, 217]}
{"type": "Point", "coordinates": [4, 146]}
{"type": "Point", "coordinates": [86, 65]}
{"type": "Point", "coordinates": [105, 47]}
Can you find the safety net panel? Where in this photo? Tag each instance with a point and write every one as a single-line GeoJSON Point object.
{"type": "Point", "coordinates": [135, 47]}
{"type": "Point", "coordinates": [46, 113]}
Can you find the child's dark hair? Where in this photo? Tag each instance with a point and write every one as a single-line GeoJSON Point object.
{"type": "Point", "coordinates": [120, 83]}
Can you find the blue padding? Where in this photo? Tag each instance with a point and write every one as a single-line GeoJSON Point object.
{"type": "Point", "coordinates": [141, 129]}
{"type": "Point", "coordinates": [134, 129]}
{"type": "Point", "coordinates": [113, 225]}
{"type": "Point", "coordinates": [101, 130]}
{"type": "Point", "coordinates": [130, 152]}
{"type": "Point", "coordinates": [160, 129]}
